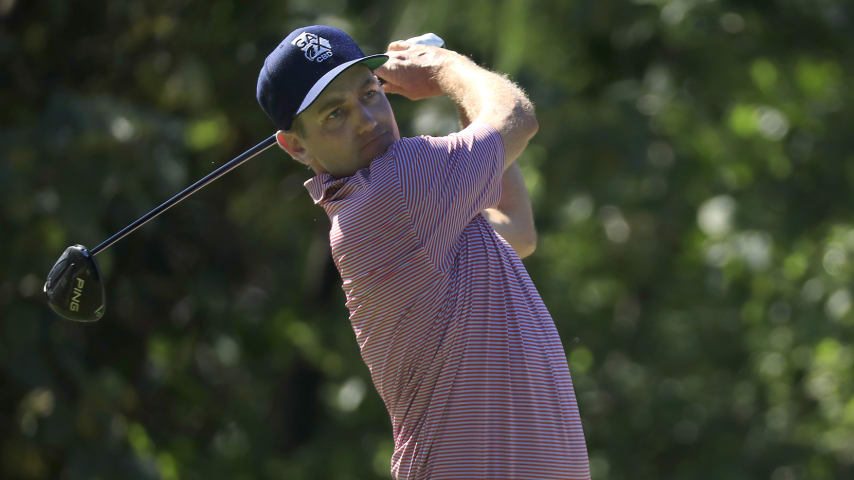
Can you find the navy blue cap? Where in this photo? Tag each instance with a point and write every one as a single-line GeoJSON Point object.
{"type": "Point", "coordinates": [298, 70]}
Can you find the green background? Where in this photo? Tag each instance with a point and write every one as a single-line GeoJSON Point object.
{"type": "Point", "coordinates": [691, 183]}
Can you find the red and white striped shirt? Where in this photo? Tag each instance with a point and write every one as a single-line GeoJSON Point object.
{"type": "Point", "coordinates": [458, 341]}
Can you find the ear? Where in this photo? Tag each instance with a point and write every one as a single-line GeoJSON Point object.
{"type": "Point", "coordinates": [290, 142]}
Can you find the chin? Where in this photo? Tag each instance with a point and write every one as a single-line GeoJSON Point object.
{"type": "Point", "coordinates": [368, 156]}
{"type": "Point", "coordinates": [382, 148]}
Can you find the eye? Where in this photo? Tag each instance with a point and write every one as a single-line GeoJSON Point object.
{"type": "Point", "coordinates": [334, 114]}
{"type": "Point", "coordinates": [370, 94]}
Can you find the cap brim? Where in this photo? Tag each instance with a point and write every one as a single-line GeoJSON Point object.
{"type": "Point", "coordinates": [371, 61]}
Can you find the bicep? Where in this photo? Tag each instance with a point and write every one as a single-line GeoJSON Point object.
{"type": "Point", "coordinates": [513, 217]}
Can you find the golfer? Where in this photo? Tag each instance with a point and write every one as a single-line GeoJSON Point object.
{"type": "Point", "coordinates": [427, 235]}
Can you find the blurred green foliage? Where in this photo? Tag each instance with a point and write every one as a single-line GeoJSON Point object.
{"type": "Point", "coordinates": [691, 182]}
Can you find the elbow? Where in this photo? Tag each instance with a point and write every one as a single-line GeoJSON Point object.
{"type": "Point", "coordinates": [527, 119]}
{"type": "Point", "coordinates": [532, 124]}
{"type": "Point", "coordinates": [527, 244]}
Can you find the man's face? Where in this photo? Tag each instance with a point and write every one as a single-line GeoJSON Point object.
{"type": "Point", "coordinates": [349, 124]}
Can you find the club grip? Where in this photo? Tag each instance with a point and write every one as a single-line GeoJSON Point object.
{"type": "Point", "coordinates": [428, 39]}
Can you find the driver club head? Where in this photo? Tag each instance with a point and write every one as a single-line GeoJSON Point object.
{"type": "Point", "coordinates": [74, 288]}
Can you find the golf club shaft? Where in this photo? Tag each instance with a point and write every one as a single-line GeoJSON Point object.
{"type": "Point", "coordinates": [236, 162]}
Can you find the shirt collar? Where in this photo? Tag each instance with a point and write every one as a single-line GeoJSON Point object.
{"type": "Point", "coordinates": [318, 184]}
{"type": "Point", "coordinates": [324, 188]}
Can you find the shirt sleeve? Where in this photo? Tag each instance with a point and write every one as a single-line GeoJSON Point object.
{"type": "Point", "coordinates": [447, 181]}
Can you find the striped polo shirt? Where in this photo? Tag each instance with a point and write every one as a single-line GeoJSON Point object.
{"type": "Point", "coordinates": [458, 341]}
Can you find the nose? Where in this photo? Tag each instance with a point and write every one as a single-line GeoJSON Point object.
{"type": "Point", "coordinates": [367, 122]}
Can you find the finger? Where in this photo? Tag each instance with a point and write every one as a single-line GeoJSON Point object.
{"type": "Point", "coordinates": [392, 88]}
{"type": "Point", "coordinates": [396, 56]}
{"type": "Point", "coordinates": [398, 45]}
{"type": "Point", "coordinates": [390, 68]}
{"type": "Point", "coordinates": [383, 73]}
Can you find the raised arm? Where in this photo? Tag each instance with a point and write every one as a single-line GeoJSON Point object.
{"type": "Point", "coordinates": [513, 218]}
{"type": "Point", "coordinates": [420, 71]}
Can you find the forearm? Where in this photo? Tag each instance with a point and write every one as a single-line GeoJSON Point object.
{"type": "Point", "coordinates": [419, 71]}
{"type": "Point", "coordinates": [491, 98]}
{"type": "Point", "coordinates": [513, 217]}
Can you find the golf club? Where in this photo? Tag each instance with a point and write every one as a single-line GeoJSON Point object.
{"type": "Point", "coordinates": [74, 286]}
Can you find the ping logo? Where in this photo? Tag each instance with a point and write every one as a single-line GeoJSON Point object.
{"type": "Point", "coordinates": [77, 293]}
{"type": "Point", "coordinates": [316, 48]}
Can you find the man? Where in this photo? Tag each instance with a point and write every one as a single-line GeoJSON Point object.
{"type": "Point", "coordinates": [458, 342]}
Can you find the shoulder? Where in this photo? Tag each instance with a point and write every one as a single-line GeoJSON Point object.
{"type": "Point", "coordinates": [474, 133]}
